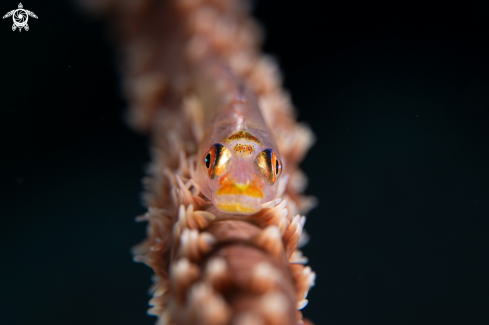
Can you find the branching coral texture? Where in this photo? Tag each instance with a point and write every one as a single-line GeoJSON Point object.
{"type": "Point", "coordinates": [210, 267]}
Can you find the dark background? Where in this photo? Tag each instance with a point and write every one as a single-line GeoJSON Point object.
{"type": "Point", "coordinates": [397, 95]}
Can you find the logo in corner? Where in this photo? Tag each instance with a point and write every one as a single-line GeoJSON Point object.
{"type": "Point", "coordinates": [20, 17]}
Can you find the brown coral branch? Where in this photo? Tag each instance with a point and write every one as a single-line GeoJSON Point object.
{"type": "Point", "coordinates": [210, 267]}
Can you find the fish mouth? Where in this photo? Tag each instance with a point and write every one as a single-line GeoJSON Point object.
{"type": "Point", "coordinates": [239, 198]}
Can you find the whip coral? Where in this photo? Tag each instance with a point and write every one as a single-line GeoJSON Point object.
{"type": "Point", "coordinates": [234, 263]}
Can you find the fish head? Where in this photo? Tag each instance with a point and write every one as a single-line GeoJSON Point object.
{"type": "Point", "coordinates": [239, 174]}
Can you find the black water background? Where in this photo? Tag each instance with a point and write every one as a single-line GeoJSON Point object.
{"type": "Point", "coordinates": [397, 95]}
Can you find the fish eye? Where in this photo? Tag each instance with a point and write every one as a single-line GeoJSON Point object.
{"type": "Point", "coordinates": [208, 160]}
{"type": "Point", "coordinates": [268, 166]}
{"type": "Point", "coordinates": [216, 160]}
{"type": "Point", "coordinates": [278, 167]}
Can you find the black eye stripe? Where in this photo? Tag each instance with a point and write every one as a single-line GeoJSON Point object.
{"type": "Point", "coordinates": [217, 148]}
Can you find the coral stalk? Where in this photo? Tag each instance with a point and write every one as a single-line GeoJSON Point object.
{"type": "Point", "coordinates": [210, 267]}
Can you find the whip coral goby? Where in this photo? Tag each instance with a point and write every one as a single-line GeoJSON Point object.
{"type": "Point", "coordinates": [223, 192]}
{"type": "Point", "coordinates": [237, 161]}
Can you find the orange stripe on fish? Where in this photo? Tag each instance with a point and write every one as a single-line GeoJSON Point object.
{"type": "Point", "coordinates": [240, 189]}
{"type": "Point", "coordinates": [243, 135]}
